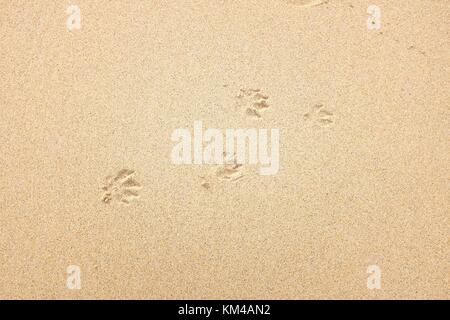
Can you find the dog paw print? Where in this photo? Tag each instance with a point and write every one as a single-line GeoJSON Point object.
{"type": "Point", "coordinates": [319, 115]}
{"type": "Point", "coordinates": [206, 182]}
{"type": "Point", "coordinates": [253, 101]}
{"type": "Point", "coordinates": [121, 187]}
{"type": "Point", "coordinates": [230, 171]}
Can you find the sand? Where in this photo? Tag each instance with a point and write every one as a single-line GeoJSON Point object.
{"type": "Point", "coordinates": [86, 177]}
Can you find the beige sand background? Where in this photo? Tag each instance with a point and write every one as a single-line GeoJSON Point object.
{"type": "Point", "coordinates": [371, 187]}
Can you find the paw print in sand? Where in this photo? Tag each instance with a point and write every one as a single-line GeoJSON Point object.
{"type": "Point", "coordinates": [121, 187]}
{"type": "Point", "coordinates": [230, 171]}
{"type": "Point", "coordinates": [253, 101]}
{"type": "Point", "coordinates": [319, 115]}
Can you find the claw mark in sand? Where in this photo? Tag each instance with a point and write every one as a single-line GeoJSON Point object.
{"type": "Point", "coordinates": [253, 101]}
{"type": "Point", "coordinates": [230, 171]}
{"type": "Point", "coordinates": [320, 116]}
{"type": "Point", "coordinates": [205, 182]}
{"type": "Point", "coordinates": [121, 187]}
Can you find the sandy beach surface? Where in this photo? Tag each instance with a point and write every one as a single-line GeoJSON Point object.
{"type": "Point", "coordinates": [86, 177]}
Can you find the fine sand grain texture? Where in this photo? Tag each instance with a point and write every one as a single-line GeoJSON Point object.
{"type": "Point", "coordinates": [87, 180]}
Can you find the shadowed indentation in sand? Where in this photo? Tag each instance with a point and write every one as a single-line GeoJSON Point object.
{"type": "Point", "coordinates": [121, 187]}
{"type": "Point", "coordinates": [230, 171]}
{"type": "Point", "coordinates": [253, 101]}
{"type": "Point", "coordinates": [319, 115]}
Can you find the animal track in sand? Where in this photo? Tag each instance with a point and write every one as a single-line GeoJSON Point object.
{"type": "Point", "coordinates": [307, 3]}
{"type": "Point", "coordinates": [121, 187]}
{"type": "Point", "coordinates": [253, 101]}
{"type": "Point", "coordinates": [230, 171]}
{"type": "Point", "coordinates": [319, 115]}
